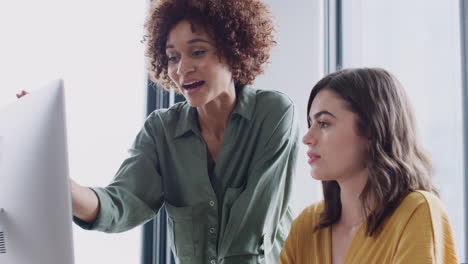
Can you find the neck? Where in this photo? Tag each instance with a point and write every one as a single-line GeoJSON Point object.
{"type": "Point", "coordinates": [213, 116]}
{"type": "Point", "coordinates": [351, 208]}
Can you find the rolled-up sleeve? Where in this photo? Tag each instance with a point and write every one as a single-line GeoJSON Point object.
{"type": "Point", "coordinates": [136, 192]}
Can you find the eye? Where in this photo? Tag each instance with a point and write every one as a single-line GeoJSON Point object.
{"type": "Point", "coordinates": [323, 124]}
{"type": "Point", "coordinates": [171, 59]}
{"type": "Point", "coordinates": [198, 52]}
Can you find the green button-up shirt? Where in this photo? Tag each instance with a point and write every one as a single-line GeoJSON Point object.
{"type": "Point", "coordinates": [242, 214]}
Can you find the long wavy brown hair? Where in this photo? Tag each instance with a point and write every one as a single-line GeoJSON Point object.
{"type": "Point", "coordinates": [241, 29]}
{"type": "Point", "coordinates": [396, 162]}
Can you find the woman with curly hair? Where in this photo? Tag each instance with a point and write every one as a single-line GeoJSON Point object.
{"type": "Point", "coordinates": [221, 162]}
{"type": "Point", "coordinates": [379, 202]}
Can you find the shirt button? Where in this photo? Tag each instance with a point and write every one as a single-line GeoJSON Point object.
{"type": "Point", "coordinates": [211, 203]}
{"type": "Point", "coordinates": [212, 230]}
{"type": "Point", "coordinates": [213, 261]}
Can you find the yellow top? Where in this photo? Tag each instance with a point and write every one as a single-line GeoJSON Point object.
{"type": "Point", "coordinates": [417, 232]}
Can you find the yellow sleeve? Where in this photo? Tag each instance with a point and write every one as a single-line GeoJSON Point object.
{"type": "Point", "coordinates": [427, 237]}
{"type": "Point", "coordinates": [288, 253]}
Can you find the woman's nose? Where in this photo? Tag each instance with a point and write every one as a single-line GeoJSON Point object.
{"type": "Point", "coordinates": [184, 67]}
{"type": "Point", "coordinates": [309, 138]}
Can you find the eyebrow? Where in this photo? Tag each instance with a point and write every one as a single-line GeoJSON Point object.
{"type": "Point", "coordinates": [323, 112]}
{"type": "Point", "coordinates": [170, 46]}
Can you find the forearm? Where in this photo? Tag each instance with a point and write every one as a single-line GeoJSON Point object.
{"type": "Point", "coordinates": [85, 202]}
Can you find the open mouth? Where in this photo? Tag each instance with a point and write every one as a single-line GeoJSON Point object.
{"type": "Point", "coordinates": [193, 85]}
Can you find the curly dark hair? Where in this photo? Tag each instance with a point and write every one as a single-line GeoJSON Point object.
{"type": "Point", "coordinates": [242, 31]}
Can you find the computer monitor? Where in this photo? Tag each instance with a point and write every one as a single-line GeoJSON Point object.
{"type": "Point", "coordinates": [36, 220]}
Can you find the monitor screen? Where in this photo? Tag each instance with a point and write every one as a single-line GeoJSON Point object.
{"type": "Point", "coordinates": [35, 203]}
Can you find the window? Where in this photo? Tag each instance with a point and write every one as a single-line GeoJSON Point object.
{"type": "Point", "coordinates": [419, 42]}
{"type": "Point", "coordinates": [95, 46]}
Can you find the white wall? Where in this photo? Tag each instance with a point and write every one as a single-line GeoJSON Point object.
{"type": "Point", "coordinates": [296, 65]}
{"type": "Point", "coordinates": [95, 47]}
{"type": "Point", "coordinates": [419, 42]}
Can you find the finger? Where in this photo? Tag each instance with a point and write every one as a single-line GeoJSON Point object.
{"type": "Point", "coordinates": [23, 93]}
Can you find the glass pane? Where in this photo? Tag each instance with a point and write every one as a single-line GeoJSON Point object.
{"type": "Point", "coordinates": [419, 42]}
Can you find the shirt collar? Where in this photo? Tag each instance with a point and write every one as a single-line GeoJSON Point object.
{"type": "Point", "coordinates": [187, 121]}
{"type": "Point", "coordinates": [246, 99]}
{"type": "Point", "coordinates": [245, 107]}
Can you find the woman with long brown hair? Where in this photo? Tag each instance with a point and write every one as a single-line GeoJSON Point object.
{"type": "Point", "coordinates": [379, 203]}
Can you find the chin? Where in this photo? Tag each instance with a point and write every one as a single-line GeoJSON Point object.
{"type": "Point", "coordinates": [316, 177]}
{"type": "Point", "coordinates": [320, 176]}
{"type": "Point", "coordinates": [195, 102]}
